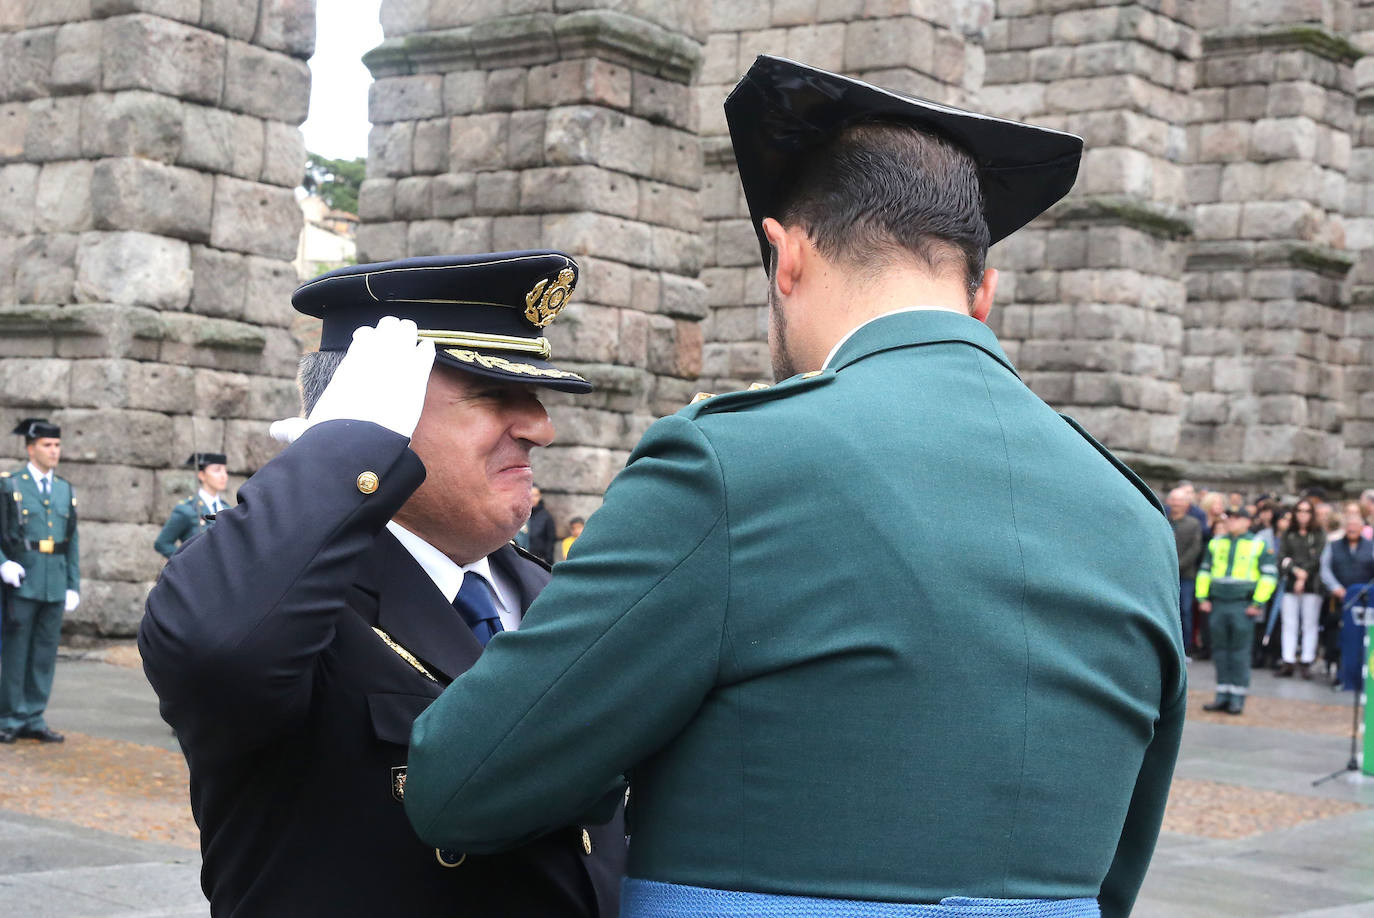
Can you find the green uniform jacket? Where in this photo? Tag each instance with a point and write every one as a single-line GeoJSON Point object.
{"type": "Point", "coordinates": [849, 637]}
{"type": "Point", "coordinates": [186, 522]}
{"type": "Point", "coordinates": [32, 517]}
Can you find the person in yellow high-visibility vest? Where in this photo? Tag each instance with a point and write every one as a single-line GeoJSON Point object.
{"type": "Point", "coordinates": [1237, 577]}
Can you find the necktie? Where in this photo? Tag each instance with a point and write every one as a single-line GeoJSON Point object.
{"type": "Point", "coordinates": [474, 602]}
{"type": "Point", "coordinates": [43, 485]}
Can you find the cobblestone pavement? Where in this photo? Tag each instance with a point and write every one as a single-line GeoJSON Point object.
{"type": "Point", "coordinates": [99, 826]}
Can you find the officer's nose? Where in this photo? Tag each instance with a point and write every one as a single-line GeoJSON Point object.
{"type": "Point", "coordinates": [530, 422]}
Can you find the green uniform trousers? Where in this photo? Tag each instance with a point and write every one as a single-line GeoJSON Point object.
{"type": "Point", "coordinates": [28, 656]}
{"type": "Point", "coordinates": [1232, 634]}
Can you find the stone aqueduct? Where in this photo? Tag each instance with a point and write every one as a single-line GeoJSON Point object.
{"type": "Point", "coordinates": [1204, 301]}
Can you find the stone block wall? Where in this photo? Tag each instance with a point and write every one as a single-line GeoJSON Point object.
{"type": "Point", "coordinates": [1358, 432]}
{"type": "Point", "coordinates": [149, 150]}
{"type": "Point", "coordinates": [1271, 143]}
{"type": "Point", "coordinates": [1091, 299]}
{"type": "Point", "coordinates": [928, 49]}
{"type": "Point", "coordinates": [518, 124]}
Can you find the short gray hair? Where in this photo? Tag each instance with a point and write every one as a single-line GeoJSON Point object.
{"type": "Point", "coordinates": [316, 370]}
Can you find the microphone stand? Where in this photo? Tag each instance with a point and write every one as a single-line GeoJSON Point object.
{"type": "Point", "coordinates": [1360, 601]}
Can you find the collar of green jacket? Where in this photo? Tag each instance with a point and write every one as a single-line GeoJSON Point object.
{"type": "Point", "coordinates": [914, 328]}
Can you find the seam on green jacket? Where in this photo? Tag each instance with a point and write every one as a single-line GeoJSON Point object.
{"type": "Point", "coordinates": [1021, 607]}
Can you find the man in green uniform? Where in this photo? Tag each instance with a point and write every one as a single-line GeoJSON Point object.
{"type": "Point", "coordinates": [1237, 577]}
{"type": "Point", "coordinates": [39, 567]}
{"type": "Point", "coordinates": [847, 636]}
{"type": "Point", "coordinates": [189, 517]}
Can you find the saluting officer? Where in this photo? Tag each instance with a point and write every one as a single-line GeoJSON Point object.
{"type": "Point", "coordinates": [195, 514]}
{"type": "Point", "coordinates": [39, 565]}
{"type": "Point", "coordinates": [965, 696]}
{"type": "Point", "coordinates": [365, 567]}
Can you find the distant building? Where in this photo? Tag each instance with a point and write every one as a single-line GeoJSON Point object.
{"type": "Point", "coordinates": [326, 240]}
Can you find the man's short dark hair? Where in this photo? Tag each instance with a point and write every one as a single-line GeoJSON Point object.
{"type": "Point", "coordinates": [314, 372]}
{"type": "Point", "coordinates": [878, 190]}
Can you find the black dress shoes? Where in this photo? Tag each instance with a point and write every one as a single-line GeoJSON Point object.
{"type": "Point", "coordinates": [6, 736]}
{"type": "Point", "coordinates": [45, 735]}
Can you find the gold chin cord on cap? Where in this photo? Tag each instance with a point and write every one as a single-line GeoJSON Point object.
{"type": "Point", "coordinates": [538, 346]}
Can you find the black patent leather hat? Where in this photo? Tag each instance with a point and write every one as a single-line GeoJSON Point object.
{"type": "Point", "coordinates": [781, 110]}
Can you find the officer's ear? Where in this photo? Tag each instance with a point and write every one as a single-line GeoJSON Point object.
{"type": "Point", "coordinates": [982, 297]}
{"type": "Point", "coordinates": [787, 254]}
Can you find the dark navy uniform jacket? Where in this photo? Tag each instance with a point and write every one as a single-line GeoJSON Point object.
{"type": "Point", "coordinates": [294, 713]}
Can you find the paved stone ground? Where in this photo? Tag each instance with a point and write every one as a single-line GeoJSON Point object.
{"type": "Point", "coordinates": [100, 827]}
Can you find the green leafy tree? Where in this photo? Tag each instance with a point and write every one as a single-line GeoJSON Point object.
{"type": "Point", "coordinates": [335, 180]}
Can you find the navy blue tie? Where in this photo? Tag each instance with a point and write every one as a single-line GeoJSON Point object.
{"type": "Point", "coordinates": [474, 602]}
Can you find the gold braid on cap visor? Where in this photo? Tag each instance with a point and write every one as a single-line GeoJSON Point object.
{"type": "Point", "coordinates": [518, 345]}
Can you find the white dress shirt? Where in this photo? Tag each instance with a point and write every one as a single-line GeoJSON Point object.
{"type": "Point", "coordinates": [41, 477]}
{"type": "Point", "coordinates": [211, 501]}
{"type": "Point", "coordinates": [448, 574]}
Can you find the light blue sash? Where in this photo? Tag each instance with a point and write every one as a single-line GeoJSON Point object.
{"type": "Point", "coordinates": [650, 899]}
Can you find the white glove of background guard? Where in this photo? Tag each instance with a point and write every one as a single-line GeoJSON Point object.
{"type": "Point", "coordinates": [382, 379]}
{"type": "Point", "coordinates": [73, 600]}
{"type": "Point", "coordinates": [12, 572]}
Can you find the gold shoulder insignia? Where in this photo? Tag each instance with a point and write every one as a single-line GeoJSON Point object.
{"type": "Point", "coordinates": [812, 374]}
{"type": "Point", "coordinates": [754, 387]}
{"type": "Point", "coordinates": [701, 397]}
{"type": "Point", "coordinates": [4, 474]}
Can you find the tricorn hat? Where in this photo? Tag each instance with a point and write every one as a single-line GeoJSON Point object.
{"type": "Point", "coordinates": [781, 110]}
{"type": "Point", "coordinates": [33, 428]}
{"type": "Point", "coordinates": [201, 460]}
{"type": "Point", "coordinates": [485, 313]}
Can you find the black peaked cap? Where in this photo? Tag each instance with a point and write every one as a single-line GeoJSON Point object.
{"type": "Point", "coordinates": [485, 313]}
{"type": "Point", "coordinates": [781, 110]}
{"type": "Point", "coordinates": [33, 428]}
{"type": "Point", "coordinates": [201, 460]}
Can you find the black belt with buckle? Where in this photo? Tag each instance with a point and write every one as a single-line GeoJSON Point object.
{"type": "Point", "coordinates": [46, 546]}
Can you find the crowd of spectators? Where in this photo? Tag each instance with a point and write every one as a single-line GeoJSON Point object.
{"type": "Point", "coordinates": [1321, 549]}
{"type": "Point", "coordinates": [539, 535]}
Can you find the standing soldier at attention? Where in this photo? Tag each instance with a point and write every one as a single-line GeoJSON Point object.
{"type": "Point", "coordinates": [188, 518]}
{"type": "Point", "coordinates": [1237, 577]}
{"type": "Point", "coordinates": [39, 567]}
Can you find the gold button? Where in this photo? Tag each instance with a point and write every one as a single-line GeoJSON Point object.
{"type": "Point", "coordinates": [367, 483]}
{"type": "Point", "coordinates": [586, 842]}
{"type": "Point", "coordinates": [445, 857]}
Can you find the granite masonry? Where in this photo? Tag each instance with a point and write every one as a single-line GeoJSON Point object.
{"type": "Point", "coordinates": [149, 152]}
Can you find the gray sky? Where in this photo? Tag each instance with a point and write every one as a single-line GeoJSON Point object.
{"type": "Point", "coordinates": [337, 125]}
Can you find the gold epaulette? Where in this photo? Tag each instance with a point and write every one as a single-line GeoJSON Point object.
{"type": "Point", "coordinates": [701, 397]}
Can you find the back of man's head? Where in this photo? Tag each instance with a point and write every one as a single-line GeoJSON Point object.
{"type": "Point", "coordinates": [880, 193]}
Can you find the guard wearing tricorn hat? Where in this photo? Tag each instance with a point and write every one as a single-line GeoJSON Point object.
{"type": "Point", "coordinates": [847, 635]}
{"type": "Point", "coordinates": [40, 567]}
{"type": "Point", "coordinates": [293, 644]}
{"type": "Point", "coordinates": [196, 513]}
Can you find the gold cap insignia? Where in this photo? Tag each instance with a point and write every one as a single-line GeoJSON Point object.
{"type": "Point", "coordinates": [543, 305]}
{"type": "Point", "coordinates": [398, 783]}
{"type": "Point", "coordinates": [586, 842]}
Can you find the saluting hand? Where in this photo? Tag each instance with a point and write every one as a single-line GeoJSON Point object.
{"type": "Point", "coordinates": [382, 379]}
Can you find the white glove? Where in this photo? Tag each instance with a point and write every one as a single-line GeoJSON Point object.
{"type": "Point", "coordinates": [73, 600]}
{"type": "Point", "coordinates": [382, 379]}
{"type": "Point", "coordinates": [12, 572]}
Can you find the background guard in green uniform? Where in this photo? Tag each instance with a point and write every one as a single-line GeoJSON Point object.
{"type": "Point", "coordinates": [39, 565]}
{"type": "Point", "coordinates": [188, 519]}
{"type": "Point", "coordinates": [1237, 577]}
